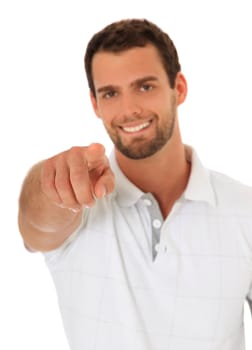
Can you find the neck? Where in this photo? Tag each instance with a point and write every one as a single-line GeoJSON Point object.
{"type": "Point", "coordinates": [164, 174]}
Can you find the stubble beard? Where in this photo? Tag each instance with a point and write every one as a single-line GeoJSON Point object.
{"type": "Point", "coordinates": [141, 148]}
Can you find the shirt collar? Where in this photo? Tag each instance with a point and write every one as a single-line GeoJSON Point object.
{"type": "Point", "coordinates": [126, 192]}
{"type": "Point", "coordinates": [199, 187]}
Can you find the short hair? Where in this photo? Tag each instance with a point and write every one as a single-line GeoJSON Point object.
{"type": "Point", "coordinates": [129, 33]}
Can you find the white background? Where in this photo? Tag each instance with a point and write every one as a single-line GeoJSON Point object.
{"type": "Point", "coordinates": [45, 108]}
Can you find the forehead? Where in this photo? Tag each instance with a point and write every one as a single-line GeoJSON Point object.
{"type": "Point", "coordinates": [128, 65]}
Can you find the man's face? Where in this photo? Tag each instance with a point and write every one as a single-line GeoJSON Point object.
{"type": "Point", "coordinates": [134, 100]}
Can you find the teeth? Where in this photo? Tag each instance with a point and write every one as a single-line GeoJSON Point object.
{"type": "Point", "coordinates": [136, 128]}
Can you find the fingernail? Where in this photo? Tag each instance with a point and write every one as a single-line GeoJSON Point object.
{"type": "Point", "coordinates": [74, 210]}
{"type": "Point", "coordinates": [103, 191]}
{"type": "Point", "coordinates": [89, 205]}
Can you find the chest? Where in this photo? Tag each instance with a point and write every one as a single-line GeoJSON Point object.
{"type": "Point", "coordinates": [193, 288]}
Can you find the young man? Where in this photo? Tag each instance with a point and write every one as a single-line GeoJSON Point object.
{"type": "Point", "coordinates": [148, 250]}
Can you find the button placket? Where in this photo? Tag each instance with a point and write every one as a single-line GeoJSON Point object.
{"type": "Point", "coordinates": [156, 222]}
{"type": "Point", "coordinates": [147, 202]}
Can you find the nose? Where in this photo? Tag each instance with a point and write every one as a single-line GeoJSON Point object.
{"type": "Point", "coordinates": [129, 106]}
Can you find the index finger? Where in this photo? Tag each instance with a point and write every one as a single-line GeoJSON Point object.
{"type": "Point", "coordinates": [95, 156]}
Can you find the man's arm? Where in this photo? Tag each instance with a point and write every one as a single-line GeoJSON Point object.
{"type": "Point", "coordinates": [57, 190]}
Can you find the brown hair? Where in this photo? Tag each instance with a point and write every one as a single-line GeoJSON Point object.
{"type": "Point", "coordinates": [129, 33]}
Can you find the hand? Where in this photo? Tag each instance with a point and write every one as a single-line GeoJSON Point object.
{"type": "Point", "coordinates": [77, 177]}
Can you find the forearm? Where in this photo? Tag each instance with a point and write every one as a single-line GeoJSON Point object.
{"type": "Point", "coordinates": [55, 191]}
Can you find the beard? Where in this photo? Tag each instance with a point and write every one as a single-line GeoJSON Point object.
{"type": "Point", "coordinates": [140, 147]}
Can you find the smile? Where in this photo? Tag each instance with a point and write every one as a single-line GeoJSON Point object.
{"type": "Point", "coordinates": [136, 128]}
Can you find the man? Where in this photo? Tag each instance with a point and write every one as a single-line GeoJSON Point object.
{"type": "Point", "coordinates": [148, 250]}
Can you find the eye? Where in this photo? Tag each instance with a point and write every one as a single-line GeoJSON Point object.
{"type": "Point", "coordinates": [109, 94]}
{"type": "Point", "coordinates": [146, 87]}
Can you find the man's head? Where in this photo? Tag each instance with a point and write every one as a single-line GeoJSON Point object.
{"type": "Point", "coordinates": [135, 86]}
{"type": "Point", "coordinates": [130, 33]}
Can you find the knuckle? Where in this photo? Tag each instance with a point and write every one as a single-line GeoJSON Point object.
{"type": "Point", "coordinates": [47, 177]}
{"type": "Point", "coordinates": [77, 173]}
{"type": "Point", "coordinates": [74, 149]}
{"type": "Point", "coordinates": [75, 152]}
{"type": "Point", "coordinates": [62, 184]}
{"type": "Point", "coordinates": [47, 185]}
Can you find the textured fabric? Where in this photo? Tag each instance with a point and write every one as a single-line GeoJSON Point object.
{"type": "Point", "coordinates": [114, 293]}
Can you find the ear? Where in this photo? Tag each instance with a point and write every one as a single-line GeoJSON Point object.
{"type": "Point", "coordinates": [94, 103]}
{"type": "Point", "coordinates": [181, 88]}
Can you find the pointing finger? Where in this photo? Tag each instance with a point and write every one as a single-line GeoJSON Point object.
{"type": "Point", "coordinates": [95, 155]}
{"type": "Point", "coordinates": [105, 184]}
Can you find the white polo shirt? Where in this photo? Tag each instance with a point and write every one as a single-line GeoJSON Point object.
{"type": "Point", "coordinates": [129, 280]}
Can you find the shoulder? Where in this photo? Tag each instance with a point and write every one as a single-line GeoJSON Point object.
{"type": "Point", "coordinates": [231, 192]}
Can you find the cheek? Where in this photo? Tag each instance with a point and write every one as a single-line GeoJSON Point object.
{"type": "Point", "coordinates": [155, 102]}
{"type": "Point", "coordinates": [105, 115]}
{"type": "Point", "coordinates": [103, 106]}
{"type": "Point", "coordinates": [109, 110]}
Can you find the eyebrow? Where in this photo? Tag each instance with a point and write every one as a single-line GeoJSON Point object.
{"type": "Point", "coordinates": [107, 88]}
{"type": "Point", "coordinates": [136, 82]}
{"type": "Point", "coordinates": [143, 80]}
